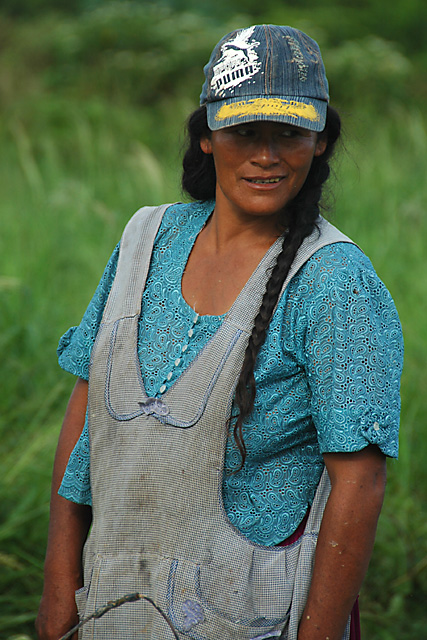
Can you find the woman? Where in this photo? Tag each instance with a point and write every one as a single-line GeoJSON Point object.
{"type": "Point", "coordinates": [243, 386]}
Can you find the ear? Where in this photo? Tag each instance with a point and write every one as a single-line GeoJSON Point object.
{"type": "Point", "coordinates": [206, 145]}
{"type": "Point", "coordinates": [321, 145]}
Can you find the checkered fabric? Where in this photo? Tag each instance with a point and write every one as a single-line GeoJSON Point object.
{"type": "Point", "coordinates": [159, 527]}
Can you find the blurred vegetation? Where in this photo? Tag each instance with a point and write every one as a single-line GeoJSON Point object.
{"type": "Point", "coordinates": [93, 97]}
{"type": "Point", "coordinates": [140, 52]}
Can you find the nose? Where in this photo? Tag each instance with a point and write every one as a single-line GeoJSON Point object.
{"type": "Point", "coordinates": [266, 152]}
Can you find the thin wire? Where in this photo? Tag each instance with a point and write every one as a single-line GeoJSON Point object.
{"type": "Point", "coordinates": [113, 604]}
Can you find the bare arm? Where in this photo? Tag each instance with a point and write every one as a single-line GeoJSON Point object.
{"type": "Point", "coordinates": [346, 540]}
{"type": "Point", "coordinates": [68, 528]}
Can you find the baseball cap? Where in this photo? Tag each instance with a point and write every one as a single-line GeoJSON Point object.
{"type": "Point", "coordinates": [266, 72]}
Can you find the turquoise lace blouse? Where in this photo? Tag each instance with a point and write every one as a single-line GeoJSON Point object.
{"type": "Point", "coordinates": [327, 375]}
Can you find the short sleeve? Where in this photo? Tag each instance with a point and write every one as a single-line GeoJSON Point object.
{"type": "Point", "coordinates": [75, 346]}
{"type": "Point", "coordinates": [74, 352]}
{"type": "Point", "coordinates": [351, 344]}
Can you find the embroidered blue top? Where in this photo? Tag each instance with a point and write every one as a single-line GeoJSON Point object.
{"type": "Point", "coordinates": [327, 376]}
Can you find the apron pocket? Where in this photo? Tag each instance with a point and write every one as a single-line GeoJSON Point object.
{"type": "Point", "coordinates": [210, 597]}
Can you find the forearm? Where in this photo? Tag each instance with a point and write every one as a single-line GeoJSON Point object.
{"type": "Point", "coordinates": [63, 573]}
{"type": "Point", "coordinates": [68, 528]}
{"type": "Point", "coordinates": [69, 522]}
{"type": "Point", "coordinates": [344, 547]}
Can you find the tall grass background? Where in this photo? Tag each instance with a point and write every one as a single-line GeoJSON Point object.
{"type": "Point", "coordinates": [91, 129]}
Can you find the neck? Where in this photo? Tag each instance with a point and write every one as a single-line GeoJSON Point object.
{"type": "Point", "coordinates": [223, 231]}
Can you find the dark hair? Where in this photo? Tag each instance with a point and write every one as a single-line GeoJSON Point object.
{"type": "Point", "coordinates": [199, 181]}
{"type": "Point", "coordinates": [198, 176]}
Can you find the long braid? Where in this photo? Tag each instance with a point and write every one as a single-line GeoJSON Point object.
{"type": "Point", "coordinates": [302, 212]}
{"type": "Point", "coordinates": [246, 389]}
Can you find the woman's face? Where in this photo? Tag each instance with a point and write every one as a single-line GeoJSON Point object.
{"type": "Point", "coordinates": [260, 166]}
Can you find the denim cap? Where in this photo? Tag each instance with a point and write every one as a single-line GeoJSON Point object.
{"type": "Point", "coordinates": [266, 72]}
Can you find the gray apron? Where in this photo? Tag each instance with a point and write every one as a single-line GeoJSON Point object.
{"type": "Point", "coordinates": [159, 525]}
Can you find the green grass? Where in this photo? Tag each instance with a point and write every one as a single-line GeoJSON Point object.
{"type": "Point", "coordinates": [72, 171]}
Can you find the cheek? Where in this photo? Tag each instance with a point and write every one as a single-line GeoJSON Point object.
{"type": "Point", "coordinates": [303, 158]}
{"type": "Point", "coordinates": [227, 161]}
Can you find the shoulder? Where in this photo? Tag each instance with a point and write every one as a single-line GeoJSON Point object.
{"type": "Point", "coordinates": [338, 291]}
{"type": "Point", "coordinates": [174, 215]}
{"type": "Point", "coordinates": [335, 258]}
{"type": "Point", "coordinates": [334, 269]}
{"type": "Point", "coordinates": [76, 344]}
{"type": "Point", "coordinates": [182, 216]}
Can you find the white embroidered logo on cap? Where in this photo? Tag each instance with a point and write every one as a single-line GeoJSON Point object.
{"type": "Point", "coordinates": [238, 62]}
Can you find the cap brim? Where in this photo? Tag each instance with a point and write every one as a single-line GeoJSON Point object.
{"type": "Point", "coordinates": [307, 113]}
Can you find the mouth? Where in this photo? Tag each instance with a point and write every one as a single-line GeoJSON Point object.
{"type": "Point", "coordinates": [265, 180]}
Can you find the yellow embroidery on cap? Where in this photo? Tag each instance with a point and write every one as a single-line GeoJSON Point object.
{"type": "Point", "coordinates": [268, 107]}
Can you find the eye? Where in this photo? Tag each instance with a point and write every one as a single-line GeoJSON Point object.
{"type": "Point", "coordinates": [244, 131]}
{"type": "Point", "coordinates": [290, 132]}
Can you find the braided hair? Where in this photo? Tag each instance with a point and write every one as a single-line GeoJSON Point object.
{"type": "Point", "coordinates": [199, 181]}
